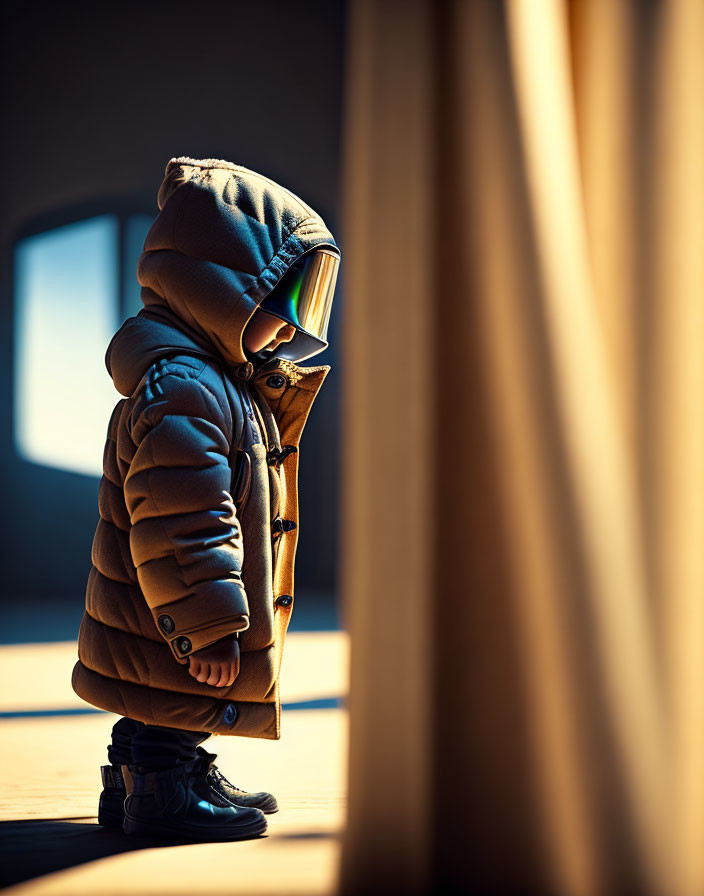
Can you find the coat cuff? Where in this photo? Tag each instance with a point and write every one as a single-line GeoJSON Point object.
{"type": "Point", "coordinates": [186, 643]}
{"type": "Point", "coordinates": [214, 611]}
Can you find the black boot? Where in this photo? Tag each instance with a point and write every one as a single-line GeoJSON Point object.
{"type": "Point", "coordinates": [238, 797]}
{"type": "Point", "coordinates": [111, 809]}
{"type": "Point", "coordinates": [179, 803]}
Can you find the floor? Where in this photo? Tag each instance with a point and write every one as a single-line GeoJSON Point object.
{"type": "Point", "coordinates": [52, 745]}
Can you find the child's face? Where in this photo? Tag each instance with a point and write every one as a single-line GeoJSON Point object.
{"type": "Point", "coordinates": [266, 330]}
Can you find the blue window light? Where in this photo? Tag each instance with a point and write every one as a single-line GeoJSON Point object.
{"type": "Point", "coordinates": [67, 307]}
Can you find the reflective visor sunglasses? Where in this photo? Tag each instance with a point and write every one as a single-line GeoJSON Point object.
{"type": "Point", "coordinates": [303, 297]}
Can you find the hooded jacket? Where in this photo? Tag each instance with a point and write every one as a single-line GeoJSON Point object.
{"type": "Point", "coordinates": [198, 501]}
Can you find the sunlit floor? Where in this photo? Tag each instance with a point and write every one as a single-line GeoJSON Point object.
{"type": "Point", "coordinates": [51, 751]}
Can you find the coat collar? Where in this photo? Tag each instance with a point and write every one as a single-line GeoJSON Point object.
{"type": "Point", "coordinates": [289, 390]}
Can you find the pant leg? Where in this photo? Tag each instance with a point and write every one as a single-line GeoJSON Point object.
{"type": "Point", "coordinates": [155, 746]}
{"type": "Point", "coordinates": [120, 750]}
{"type": "Point", "coordinates": [152, 746]}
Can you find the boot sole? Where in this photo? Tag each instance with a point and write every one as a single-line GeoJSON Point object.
{"type": "Point", "coordinates": [267, 808]}
{"type": "Point", "coordinates": [135, 827]}
{"type": "Point", "coordinates": [115, 820]}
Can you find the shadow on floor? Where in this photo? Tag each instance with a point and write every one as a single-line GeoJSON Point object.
{"type": "Point", "coordinates": [32, 848]}
{"type": "Point", "coordinates": [35, 847]}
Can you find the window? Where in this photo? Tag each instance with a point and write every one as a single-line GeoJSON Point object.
{"type": "Point", "coordinates": [74, 285]}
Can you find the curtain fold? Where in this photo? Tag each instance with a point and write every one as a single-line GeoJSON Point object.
{"type": "Point", "coordinates": [522, 562]}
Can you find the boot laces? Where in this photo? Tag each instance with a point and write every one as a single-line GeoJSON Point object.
{"type": "Point", "coordinates": [218, 777]}
{"type": "Point", "coordinates": [214, 773]}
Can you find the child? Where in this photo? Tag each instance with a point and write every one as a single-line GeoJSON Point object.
{"type": "Point", "coordinates": [191, 588]}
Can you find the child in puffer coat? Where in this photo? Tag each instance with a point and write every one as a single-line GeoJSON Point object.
{"type": "Point", "coordinates": [184, 626]}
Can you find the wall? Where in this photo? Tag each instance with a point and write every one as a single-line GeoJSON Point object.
{"type": "Point", "coordinates": [94, 105]}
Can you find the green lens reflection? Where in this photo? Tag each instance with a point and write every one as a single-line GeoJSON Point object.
{"type": "Point", "coordinates": [284, 300]}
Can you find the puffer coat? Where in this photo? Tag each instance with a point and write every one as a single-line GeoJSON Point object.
{"type": "Point", "coordinates": [198, 502]}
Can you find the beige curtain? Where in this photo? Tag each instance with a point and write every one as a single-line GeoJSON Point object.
{"type": "Point", "coordinates": [523, 446]}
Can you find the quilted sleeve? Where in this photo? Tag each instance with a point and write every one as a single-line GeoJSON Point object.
{"type": "Point", "coordinates": [185, 538]}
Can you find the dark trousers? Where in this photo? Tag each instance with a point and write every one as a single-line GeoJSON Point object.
{"type": "Point", "coordinates": [152, 746]}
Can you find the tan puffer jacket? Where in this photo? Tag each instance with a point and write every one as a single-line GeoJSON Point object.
{"type": "Point", "coordinates": [198, 503]}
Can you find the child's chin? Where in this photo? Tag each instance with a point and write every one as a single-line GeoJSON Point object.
{"type": "Point", "coordinates": [258, 357]}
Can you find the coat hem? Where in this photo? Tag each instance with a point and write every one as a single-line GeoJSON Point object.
{"type": "Point", "coordinates": [154, 706]}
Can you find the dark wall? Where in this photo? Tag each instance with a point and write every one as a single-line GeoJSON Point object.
{"type": "Point", "coordinates": [94, 103]}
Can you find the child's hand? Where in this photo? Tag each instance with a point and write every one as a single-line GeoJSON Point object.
{"type": "Point", "coordinates": [218, 664]}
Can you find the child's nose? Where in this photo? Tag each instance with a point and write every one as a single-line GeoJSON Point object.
{"type": "Point", "coordinates": [286, 333]}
